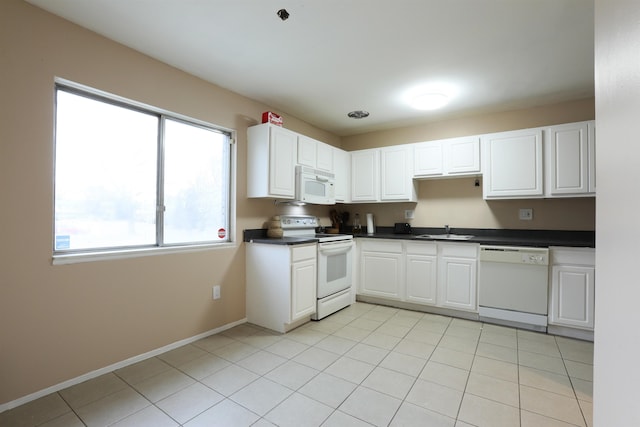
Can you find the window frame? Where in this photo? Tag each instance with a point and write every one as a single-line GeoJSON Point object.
{"type": "Point", "coordinates": [157, 248]}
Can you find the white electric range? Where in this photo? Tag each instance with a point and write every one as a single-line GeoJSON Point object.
{"type": "Point", "coordinates": [335, 258]}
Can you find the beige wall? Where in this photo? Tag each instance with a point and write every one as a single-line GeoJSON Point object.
{"type": "Point", "coordinates": [59, 322]}
{"type": "Point", "coordinates": [458, 202]}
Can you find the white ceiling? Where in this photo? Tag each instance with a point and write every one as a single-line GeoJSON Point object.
{"type": "Point", "coordinates": [334, 56]}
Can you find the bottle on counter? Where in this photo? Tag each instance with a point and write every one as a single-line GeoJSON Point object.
{"type": "Point", "coordinates": [357, 227]}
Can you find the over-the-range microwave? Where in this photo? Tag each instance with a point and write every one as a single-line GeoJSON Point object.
{"type": "Point", "coordinates": [315, 186]}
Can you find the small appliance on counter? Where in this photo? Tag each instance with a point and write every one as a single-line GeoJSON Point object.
{"type": "Point", "coordinates": [402, 228]}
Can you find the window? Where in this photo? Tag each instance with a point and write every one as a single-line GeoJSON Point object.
{"type": "Point", "coordinates": [128, 177]}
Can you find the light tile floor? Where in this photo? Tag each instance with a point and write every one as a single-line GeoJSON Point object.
{"type": "Point", "coordinates": [365, 365]}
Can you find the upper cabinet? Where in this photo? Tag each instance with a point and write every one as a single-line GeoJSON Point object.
{"type": "Point", "coordinates": [396, 177]}
{"type": "Point", "coordinates": [570, 160]}
{"type": "Point", "coordinates": [271, 159]}
{"type": "Point", "coordinates": [447, 158]}
{"type": "Point", "coordinates": [513, 164]}
{"type": "Point", "coordinates": [342, 171]}
{"type": "Point", "coordinates": [315, 154]}
{"type": "Point", "coordinates": [382, 175]}
{"type": "Point", "coordinates": [272, 155]}
{"type": "Point", "coordinates": [365, 175]}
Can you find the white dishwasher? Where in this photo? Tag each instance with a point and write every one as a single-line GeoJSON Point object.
{"type": "Point", "coordinates": [513, 286]}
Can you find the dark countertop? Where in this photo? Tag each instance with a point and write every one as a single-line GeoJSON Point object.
{"type": "Point", "coordinates": [498, 237]}
{"type": "Point", "coordinates": [259, 235]}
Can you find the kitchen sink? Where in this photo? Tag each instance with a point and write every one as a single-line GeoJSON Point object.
{"type": "Point", "coordinates": [445, 236]}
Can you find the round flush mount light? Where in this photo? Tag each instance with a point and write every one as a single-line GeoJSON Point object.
{"type": "Point", "coordinates": [358, 114]}
{"type": "Point", "coordinates": [429, 101]}
{"type": "Point", "coordinates": [430, 96]}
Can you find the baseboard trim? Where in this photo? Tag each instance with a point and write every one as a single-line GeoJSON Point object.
{"type": "Point", "coordinates": [130, 361]}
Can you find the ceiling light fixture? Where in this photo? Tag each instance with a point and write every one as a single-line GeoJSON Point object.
{"type": "Point", "coordinates": [358, 114]}
{"type": "Point", "coordinates": [429, 101]}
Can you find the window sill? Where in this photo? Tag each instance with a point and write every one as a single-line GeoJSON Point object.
{"type": "Point", "coordinates": [62, 259]}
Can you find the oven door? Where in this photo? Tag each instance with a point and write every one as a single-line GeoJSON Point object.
{"type": "Point", "coordinates": [334, 267]}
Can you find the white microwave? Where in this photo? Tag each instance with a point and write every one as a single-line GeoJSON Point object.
{"type": "Point", "coordinates": [315, 186]}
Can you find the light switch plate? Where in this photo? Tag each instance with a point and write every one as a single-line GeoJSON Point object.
{"type": "Point", "coordinates": [408, 214]}
{"type": "Point", "coordinates": [526, 214]}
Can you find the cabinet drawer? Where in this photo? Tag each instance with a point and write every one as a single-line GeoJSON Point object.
{"type": "Point", "coordinates": [573, 256]}
{"type": "Point", "coordinates": [374, 245]}
{"type": "Point", "coordinates": [424, 248]}
{"type": "Point", "coordinates": [459, 250]}
{"type": "Point", "coordinates": [300, 253]}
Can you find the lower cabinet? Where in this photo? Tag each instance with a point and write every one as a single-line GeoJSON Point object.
{"type": "Point", "coordinates": [381, 268]}
{"type": "Point", "coordinates": [421, 262]}
{"type": "Point", "coordinates": [457, 278]}
{"type": "Point", "coordinates": [572, 287]}
{"type": "Point", "coordinates": [281, 285]}
{"type": "Point", "coordinates": [430, 273]}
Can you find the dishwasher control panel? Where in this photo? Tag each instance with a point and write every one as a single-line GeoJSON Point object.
{"type": "Point", "coordinates": [514, 255]}
{"type": "Point", "coordinates": [528, 258]}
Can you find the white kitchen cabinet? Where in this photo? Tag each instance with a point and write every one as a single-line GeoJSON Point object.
{"type": "Point", "coordinates": [421, 261]}
{"type": "Point", "coordinates": [342, 162]}
{"type": "Point", "coordinates": [314, 154]}
{"type": "Point", "coordinates": [365, 175]}
{"type": "Point", "coordinates": [307, 151]}
{"type": "Point", "coordinates": [462, 156]}
{"type": "Point", "coordinates": [271, 159]}
{"type": "Point", "coordinates": [513, 165]}
{"type": "Point", "coordinates": [427, 159]}
{"type": "Point", "coordinates": [569, 160]}
{"type": "Point", "coordinates": [427, 273]}
{"type": "Point", "coordinates": [324, 157]}
{"type": "Point", "coordinates": [303, 282]}
{"type": "Point", "coordinates": [382, 175]}
{"type": "Point", "coordinates": [396, 174]}
{"type": "Point", "coordinates": [572, 287]}
{"type": "Point", "coordinates": [381, 268]}
{"type": "Point", "coordinates": [281, 285]}
{"type": "Point", "coordinates": [457, 276]}
{"type": "Point", "coordinates": [447, 158]}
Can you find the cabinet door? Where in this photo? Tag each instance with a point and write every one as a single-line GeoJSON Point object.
{"type": "Point", "coordinates": [421, 278]}
{"type": "Point", "coordinates": [457, 283]}
{"type": "Point", "coordinates": [303, 288]}
{"type": "Point", "coordinates": [396, 177]}
{"type": "Point", "coordinates": [567, 159]}
{"type": "Point", "coordinates": [343, 175]}
{"type": "Point", "coordinates": [572, 296]}
{"type": "Point", "coordinates": [282, 160]}
{"type": "Point", "coordinates": [307, 151]}
{"type": "Point", "coordinates": [381, 274]}
{"type": "Point", "coordinates": [364, 176]}
{"type": "Point", "coordinates": [324, 157]}
{"type": "Point", "coordinates": [513, 165]}
{"type": "Point", "coordinates": [462, 156]}
{"type": "Point", "coordinates": [427, 159]}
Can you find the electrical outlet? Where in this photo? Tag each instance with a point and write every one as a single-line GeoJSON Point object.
{"type": "Point", "coordinates": [408, 214]}
{"type": "Point", "coordinates": [216, 292]}
{"type": "Point", "coordinates": [526, 214]}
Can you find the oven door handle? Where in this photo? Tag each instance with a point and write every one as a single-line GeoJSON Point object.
{"type": "Point", "coordinates": [336, 249]}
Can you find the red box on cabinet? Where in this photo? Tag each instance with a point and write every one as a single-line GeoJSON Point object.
{"type": "Point", "coordinates": [273, 118]}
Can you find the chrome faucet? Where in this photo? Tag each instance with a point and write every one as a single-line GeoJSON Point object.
{"type": "Point", "coordinates": [446, 229]}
